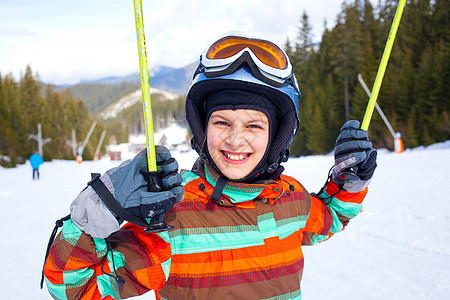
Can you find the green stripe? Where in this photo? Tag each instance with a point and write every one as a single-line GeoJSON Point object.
{"type": "Point", "coordinates": [70, 233]}
{"type": "Point", "coordinates": [265, 217]}
{"type": "Point", "coordinates": [188, 176]}
{"type": "Point", "coordinates": [100, 247]}
{"type": "Point", "coordinates": [317, 238]}
{"type": "Point", "coordinates": [119, 260]}
{"type": "Point", "coordinates": [288, 226]}
{"type": "Point", "coordinates": [297, 295]}
{"type": "Point", "coordinates": [236, 194]}
{"type": "Point", "coordinates": [347, 209]}
{"type": "Point", "coordinates": [56, 291]}
{"type": "Point", "coordinates": [267, 226]}
{"type": "Point", "coordinates": [212, 230]}
{"type": "Point", "coordinates": [166, 267]}
{"type": "Point", "coordinates": [77, 278]}
{"type": "Point", "coordinates": [282, 228]}
{"type": "Point", "coordinates": [164, 235]}
{"type": "Point", "coordinates": [337, 224]}
{"type": "Point", "coordinates": [197, 240]}
{"type": "Point", "coordinates": [107, 286]}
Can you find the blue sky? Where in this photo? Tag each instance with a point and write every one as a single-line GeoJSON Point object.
{"type": "Point", "coordinates": [67, 41]}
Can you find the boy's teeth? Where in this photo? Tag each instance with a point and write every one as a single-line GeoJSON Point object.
{"type": "Point", "coordinates": [235, 156]}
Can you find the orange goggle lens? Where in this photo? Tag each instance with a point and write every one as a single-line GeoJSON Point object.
{"type": "Point", "coordinates": [267, 52]}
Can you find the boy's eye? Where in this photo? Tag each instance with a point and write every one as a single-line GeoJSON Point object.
{"type": "Point", "coordinates": [253, 126]}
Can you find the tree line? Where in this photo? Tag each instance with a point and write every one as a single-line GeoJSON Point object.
{"type": "Point", "coordinates": [24, 104]}
{"type": "Point", "coordinates": [131, 120]}
{"type": "Point", "coordinates": [414, 94]}
{"type": "Point", "coordinates": [415, 90]}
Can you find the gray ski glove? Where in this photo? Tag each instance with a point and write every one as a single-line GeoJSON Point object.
{"type": "Point", "coordinates": [355, 159]}
{"type": "Point", "coordinates": [129, 187]}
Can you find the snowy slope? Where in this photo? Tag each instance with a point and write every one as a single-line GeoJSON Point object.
{"type": "Point", "coordinates": [131, 99]}
{"type": "Point", "coordinates": [397, 248]}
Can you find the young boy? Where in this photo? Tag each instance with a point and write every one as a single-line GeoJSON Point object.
{"type": "Point", "coordinates": [236, 222]}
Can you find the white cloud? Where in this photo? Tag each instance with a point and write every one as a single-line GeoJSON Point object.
{"type": "Point", "coordinates": [66, 41]}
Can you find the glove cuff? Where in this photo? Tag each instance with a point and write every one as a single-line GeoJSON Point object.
{"type": "Point", "coordinates": [349, 181]}
{"type": "Point", "coordinates": [90, 214]}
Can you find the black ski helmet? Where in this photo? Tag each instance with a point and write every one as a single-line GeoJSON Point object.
{"type": "Point", "coordinates": [240, 75]}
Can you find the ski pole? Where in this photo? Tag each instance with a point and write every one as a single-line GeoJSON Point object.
{"type": "Point", "coordinates": [380, 111]}
{"type": "Point", "coordinates": [145, 87]}
{"type": "Point", "coordinates": [153, 176]}
{"type": "Point", "coordinates": [383, 64]}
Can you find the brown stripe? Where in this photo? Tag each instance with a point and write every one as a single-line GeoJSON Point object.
{"type": "Point", "coordinates": [199, 206]}
{"type": "Point", "coordinates": [55, 258]}
{"type": "Point", "coordinates": [192, 214]}
{"type": "Point", "coordinates": [272, 287]}
{"type": "Point", "coordinates": [327, 220]}
{"type": "Point", "coordinates": [216, 218]}
{"type": "Point", "coordinates": [132, 287]}
{"type": "Point", "coordinates": [83, 255]}
{"type": "Point", "coordinates": [307, 238]}
{"type": "Point", "coordinates": [76, 292]}
{"type": "Point", "coordinates": [230, 280]}
{"type": "Point", "coordinates": [126, 242]}
{"type": "Point", "coordinates": [291, 205]}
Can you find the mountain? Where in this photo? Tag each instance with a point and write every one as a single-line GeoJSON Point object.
{"type": "Point", "coordinates": [173, 80]}
{"type": "Point", "coordinates": [114, 109]}
{"type": "Point", "coordinates": [101, 93]}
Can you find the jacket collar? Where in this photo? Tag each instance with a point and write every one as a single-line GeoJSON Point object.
{"type": "Point", "coordinates": [236, 192]}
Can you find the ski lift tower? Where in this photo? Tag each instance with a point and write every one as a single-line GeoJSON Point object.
{"type": "Point", "coordinates": [38, 138]}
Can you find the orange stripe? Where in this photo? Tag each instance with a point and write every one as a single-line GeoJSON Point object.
{"type": "Point", "coordinates": [236, 266]}
{"type": "Point", "coordinates": [274, 253]}
{"type": "Point", "coordinates": [345, 196]}
{"type": "Point", "coordinates": [316, 217]}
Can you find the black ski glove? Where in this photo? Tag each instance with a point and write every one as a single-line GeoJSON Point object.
{"type": "Point", "coordinates": [129, 187]}
{"type": "Point", "coordinates": [355, 159]}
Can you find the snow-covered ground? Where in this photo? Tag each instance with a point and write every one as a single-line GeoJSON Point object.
{"type": "Point", "coordinates": [397, 248]}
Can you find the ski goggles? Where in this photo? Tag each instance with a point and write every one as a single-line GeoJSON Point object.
{"type": "Point", "coordinates": [268, 62]}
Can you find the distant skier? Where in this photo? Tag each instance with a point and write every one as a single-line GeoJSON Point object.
{"type": "Point", "coordinates": [35, 161]}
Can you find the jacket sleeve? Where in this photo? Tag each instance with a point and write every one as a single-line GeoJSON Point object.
{"type": "Point", "coordinates": [331, 210]}
{"type": "Point", "coordinates": [82, 267]}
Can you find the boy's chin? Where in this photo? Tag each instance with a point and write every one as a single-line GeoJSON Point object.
{"type": "Point", "coordinates": [234, 174]}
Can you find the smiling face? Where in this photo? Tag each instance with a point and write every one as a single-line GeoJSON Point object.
{"type": "Point", "coordinates": [237, 140]}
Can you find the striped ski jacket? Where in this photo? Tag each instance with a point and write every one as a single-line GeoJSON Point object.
{"type": "Point", "coordinates": [248, 245]}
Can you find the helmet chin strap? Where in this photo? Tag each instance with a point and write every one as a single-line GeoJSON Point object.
{"type": "Point", "coordinates": [220, 185]}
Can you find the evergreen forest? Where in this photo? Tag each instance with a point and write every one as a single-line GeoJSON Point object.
{"type": "Point", "coordinates": [414, 94]}
{"type": "Point", "coordinates": [415, 91]}
{"type": "Point", "coordinates": [25, 104]}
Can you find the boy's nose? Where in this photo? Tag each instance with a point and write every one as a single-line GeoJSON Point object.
{"type": "Point", "coordinates": [236, 138]}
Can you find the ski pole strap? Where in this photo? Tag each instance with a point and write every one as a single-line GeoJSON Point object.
{"type": "Point", "coordinates": [111, 202]}
{"type": "Point", "coordinates": [58, 223]}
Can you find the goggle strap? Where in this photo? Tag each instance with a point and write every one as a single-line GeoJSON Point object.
{"type": "Point", "coordinates": [200, 68]}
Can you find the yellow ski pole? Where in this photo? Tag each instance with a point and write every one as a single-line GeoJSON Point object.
{"type": "Point", "coordinates": [145, 87]}
{"type": "Point", "coordinates": [153, 176]}
{"type": "Point", "coordinates": [383, 64]}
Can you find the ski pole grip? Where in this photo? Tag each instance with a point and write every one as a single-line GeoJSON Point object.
{"type": "Point", "coordinates": [154, 184]}
{"type": "Point", "coordinates": [154, 180]}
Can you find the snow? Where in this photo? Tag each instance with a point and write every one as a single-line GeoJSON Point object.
{"type": "Point", "coordinates": [397, 248]}
{"type": "Point", "coordinates": [174, 134]}
{"type": "Point", "coordinates": [175, 137]}
{"type": "Point", "coordinates": [131, 99]}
